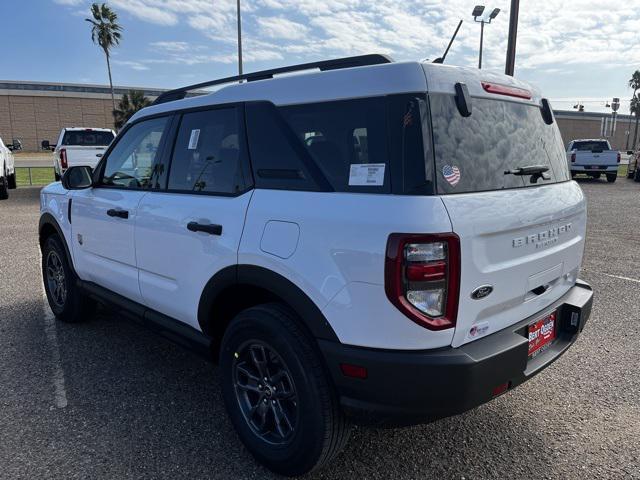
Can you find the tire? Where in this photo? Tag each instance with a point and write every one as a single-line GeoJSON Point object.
{"type": "Point", "coordinates": [573, 174]}
{"type": "Point", "coordinates": [315, 429]}
{"type": "Point", "coordinates": [66, 300]}
{"type": "Point", "coordinates": [636, 175]}
{"type": "Point", "coordinates": [4, 188]}
{"type": "Point", "coordinates": [611, 178]}
{"type": "Point", "coordinates": [629, 173]}
{"type": "Point", "coordinates": [11, 181]}
{"type": "Point", "coordinates": [57, 176]}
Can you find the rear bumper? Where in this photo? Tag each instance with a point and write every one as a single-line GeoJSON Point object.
{"type": "Point", "coordinates": [599, 169]}
{"type": "Point", "coordinates": [404, 388]}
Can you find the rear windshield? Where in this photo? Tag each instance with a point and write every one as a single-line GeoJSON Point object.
{"type": "Point", "coordinates": [472, 154]}
{"type": "Point", "coordinates": [88, 138]}
{"type": "Point", "coordinates": [597, 146]}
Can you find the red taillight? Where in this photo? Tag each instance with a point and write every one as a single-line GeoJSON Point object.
{"type": "Point", "coordinates": [63, 158]}
{"type": "Point", "coordinates": [354, 371]}
{"type": "Point", "coordinates": [422, 277]}
{"type": "Point", "coordinates": [573, 158]}
{"type": "Point", "coordinates": [619, 157]}
{"type": "Point", "coordinates": [506, 90]}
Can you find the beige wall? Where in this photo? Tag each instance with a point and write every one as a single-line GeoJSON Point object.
{"type": "Point", "coordinates": [36, 118]}
{"type": "Point", "coordinates": [589, 127]}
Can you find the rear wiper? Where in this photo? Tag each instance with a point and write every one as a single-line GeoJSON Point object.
{"type": "Point", "coordinates": [536, 172]}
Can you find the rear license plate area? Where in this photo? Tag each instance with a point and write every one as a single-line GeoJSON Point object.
{"type": "Point", "coordinates": [542, 333]}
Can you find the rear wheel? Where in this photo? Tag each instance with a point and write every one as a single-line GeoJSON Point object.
{"type": "Point", "coordinates": [277, 392]}
{"type": "Point", "coordinates": [611, 177]}
{"type": "Point", "coordinates": [11, 181]}
{"type": "Point", "coordinates": [636, 174]}
{"type": "Point", "coordinates": [4, 188]}
{"type": "Point", "coordinates": [629, 171]}
{"type": "Point", "coordinates": [66, 300]}
{"type": "Point", "coordinates": [57, 176]}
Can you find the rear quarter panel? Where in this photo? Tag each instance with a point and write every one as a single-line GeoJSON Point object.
{"type": "Point", "coordinates": [339, 256]}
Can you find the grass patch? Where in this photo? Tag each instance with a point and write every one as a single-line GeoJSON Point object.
{"type": "Point", "coordinates": [39, 176]}
{"type": "Point", "coordinates": [622, 170]}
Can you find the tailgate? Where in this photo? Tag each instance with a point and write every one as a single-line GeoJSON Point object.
{"type": "Point", "coordinates": [594, 158]}
{"type": "Point", "coordinates": [526, 243]}
{"type": "Point", "coordinates": [81, 156]}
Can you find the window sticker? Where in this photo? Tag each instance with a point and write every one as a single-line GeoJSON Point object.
{"type": "Point", "coordinates": [367, 174]}
{"type": "Point", "coordinates": [451, 174]}
{"type": "Point", "coordinates": [193, 139]}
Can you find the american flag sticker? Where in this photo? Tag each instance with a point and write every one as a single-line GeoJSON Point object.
{"type": "Point", "coordinates": [451, 174]}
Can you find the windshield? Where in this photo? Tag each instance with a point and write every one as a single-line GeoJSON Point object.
{"type": "Point", "coordinates": [473, 153]}
{"type": "Point", "coordinates": [591, 146]}
{"type": "Point", "coordinates": [88, 138]}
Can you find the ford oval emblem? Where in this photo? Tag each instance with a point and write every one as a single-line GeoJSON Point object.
{"type": "Point", "coordinates": [482, 292]}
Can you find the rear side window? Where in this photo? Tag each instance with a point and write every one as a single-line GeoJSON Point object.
{"type": "Point", "coordinates": [595, 146]}
{"type": "Point", "coordinates": [87, 138]}
{"type": "Point", "coordinates": [473, 153]}
{"type": "Point", "coordinates": [209, 153]}
{"type": "Point", "coordinates": [347, 141]}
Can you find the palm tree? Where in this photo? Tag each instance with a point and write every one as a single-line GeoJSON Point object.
{"type": "Point", "coordinates": [105, 32]}
{"type": "Point", "coordinates": [129, 104]}
{"type": "Point", "coordinates": [634, 82]}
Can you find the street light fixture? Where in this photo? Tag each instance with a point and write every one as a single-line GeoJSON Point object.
{"type": "Point", "coordinates": [478, 14]}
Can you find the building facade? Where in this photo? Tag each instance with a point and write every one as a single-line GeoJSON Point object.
{"type": "Point", "coordinates": [36, 111]}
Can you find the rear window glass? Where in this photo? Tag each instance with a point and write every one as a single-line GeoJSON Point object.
{"type": "Point", "coordinates": [473, 153]}
{"type": "Point", "coordinates": [89, 138]}
{"type": "Point", "coordinates": [347, 140]}
{"type": "Point", "coordinates": [590, 146]}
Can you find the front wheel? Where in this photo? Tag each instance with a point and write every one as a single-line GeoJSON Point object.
{"type": "Point", "coordinates": [67, 302]}
{"type": "Point", "coordinates": [11, 181]}
{"type": "Point", "coordinates": [611, 177]}
{"type": "Point", "coordinates": [277, 392]}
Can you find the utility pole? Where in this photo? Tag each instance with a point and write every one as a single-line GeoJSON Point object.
{"type": "Point", "coordinates": [513, 35]}
{"type": "Point", "coordinates": [481, 43]}
{"type": "Point", "coordinates": [239, 40]}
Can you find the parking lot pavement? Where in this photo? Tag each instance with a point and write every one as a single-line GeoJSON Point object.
{"type": "Point", "coordinates": [140, 407]}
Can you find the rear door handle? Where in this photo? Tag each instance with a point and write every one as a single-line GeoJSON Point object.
{"type": "Point", "coordinates": [210, 229]}
{"type": "Point", "coordinates": [118, 213]}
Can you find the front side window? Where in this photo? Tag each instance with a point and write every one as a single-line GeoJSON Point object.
{"type": "Point", "coordinates": [133, 162]}
{"type": "Point", "coordinates": [209, 153]}
{"type": "Point", "coordinates": [477, 153]}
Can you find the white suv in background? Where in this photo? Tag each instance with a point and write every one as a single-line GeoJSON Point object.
{"type": "Point", "coordinates": [376, 242]}
{"type": "Point", "coordinates": [7, 170]}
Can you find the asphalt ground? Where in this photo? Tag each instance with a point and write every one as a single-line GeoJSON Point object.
{"type": "Point", "coordinates": [108, 399]}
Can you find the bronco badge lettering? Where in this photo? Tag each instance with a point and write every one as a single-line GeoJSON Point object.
{"type": "Point", "coordinates": [542, 239]}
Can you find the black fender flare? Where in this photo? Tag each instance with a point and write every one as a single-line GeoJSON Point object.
{"type": "Point", "coordinates": [46, 219]}
{"type": "Point", "coordinates": [277, 285]}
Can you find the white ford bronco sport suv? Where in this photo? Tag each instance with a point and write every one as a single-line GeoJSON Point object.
{"type": "Point", "coordinates": [375, 242]}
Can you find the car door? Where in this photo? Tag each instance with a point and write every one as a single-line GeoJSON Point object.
{"type": "Point", "coordinates": [103, 217]}
{"type": "Point", "coordinates": [192, 230]}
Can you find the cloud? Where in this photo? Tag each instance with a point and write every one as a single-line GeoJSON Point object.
{"type": "Point", "coordinates": [139, 66]}
{"type": "Point", "coordinates": [282, 28]}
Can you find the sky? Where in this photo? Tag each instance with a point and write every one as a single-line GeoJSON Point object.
{"type": "Point", "coordinates": [574, 50]}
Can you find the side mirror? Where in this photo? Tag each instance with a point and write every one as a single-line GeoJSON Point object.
{"type": "Point", "coordinates": [9, 146]}
{"type": "Point", "coordinates": [78, 178]}
{"type": "Point", "coordinates": [629, 152]}
{"type": "Point", "coordinates": [16, 145]}
{"type": "Point", "coordinates": [45, 145]}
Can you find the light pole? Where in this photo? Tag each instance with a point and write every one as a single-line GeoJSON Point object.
{"type": "Point", "coordinates": [513, 36]}
{"type": "Point", "coordinates": [477, 13]}
{"type": "Point", "coordinates": [239, 40]}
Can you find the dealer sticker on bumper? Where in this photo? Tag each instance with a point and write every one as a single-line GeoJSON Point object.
{"type": "Point", "coordinates": [542, 333]}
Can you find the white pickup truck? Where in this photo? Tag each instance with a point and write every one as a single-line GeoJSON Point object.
{"type": "Point", "coordinates": [7, 170]}
{"type": "Point", "coordinates": [593, 157]}
{"type": "Point", "coordinates": [78, 146]}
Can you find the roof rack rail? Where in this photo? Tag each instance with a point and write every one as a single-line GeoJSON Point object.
{"type": "Point", "coordinates": [337, 64]}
